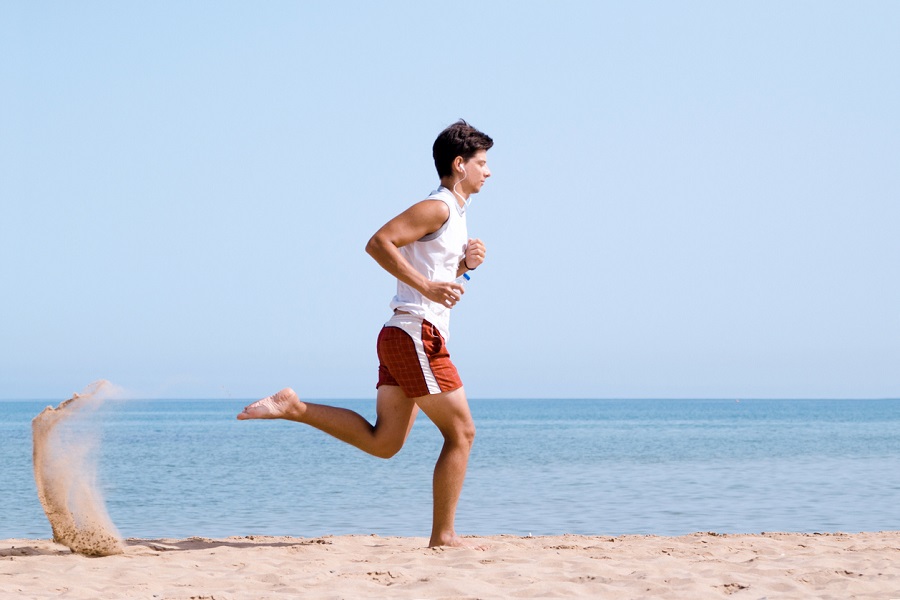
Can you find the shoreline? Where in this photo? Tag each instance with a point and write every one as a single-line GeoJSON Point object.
{"type": "Point", "coordinates": [699, 565]}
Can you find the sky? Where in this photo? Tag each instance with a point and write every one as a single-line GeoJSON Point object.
{"type": "Point", "coordinates": [688, 200]}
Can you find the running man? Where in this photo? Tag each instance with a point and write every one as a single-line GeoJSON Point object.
{"type": "Point", "coordinates": [425, 247]}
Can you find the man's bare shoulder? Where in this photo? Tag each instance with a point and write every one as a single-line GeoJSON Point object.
{"type": "Point", "coordinates": [430, 211]}
{"type": "Point", "coordinates": [420, 219]}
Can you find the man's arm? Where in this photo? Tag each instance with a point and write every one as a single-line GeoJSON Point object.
{"type": "Point", "coordinates": [473, 257]}
{"type": "Point", "coordinates": [412, 224]}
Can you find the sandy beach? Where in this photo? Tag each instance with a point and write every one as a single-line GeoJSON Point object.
{"type": "Point", "coordinates": [701, 565]}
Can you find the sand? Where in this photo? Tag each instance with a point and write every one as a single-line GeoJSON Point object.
{"type": "Point", "coordinates": [702, 565]}
{"type": "Point", "coordinates": [64, 457]}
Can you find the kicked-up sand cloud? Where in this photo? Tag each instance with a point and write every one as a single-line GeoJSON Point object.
{"type": "Point", "coordinates": [65, 447]}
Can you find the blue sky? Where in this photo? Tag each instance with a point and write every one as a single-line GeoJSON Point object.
{"type": "Point", "coordinates": [690, 199]}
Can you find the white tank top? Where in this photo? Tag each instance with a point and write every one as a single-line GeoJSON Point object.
{"type": "Point", "coordinates": [437, 257]}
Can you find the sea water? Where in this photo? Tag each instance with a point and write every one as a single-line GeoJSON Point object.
{"type": "Point", "coordinates": [600, 467]}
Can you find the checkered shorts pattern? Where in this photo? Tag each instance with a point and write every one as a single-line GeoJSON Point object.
{"type": "Point", "coordinates": [412, 355]}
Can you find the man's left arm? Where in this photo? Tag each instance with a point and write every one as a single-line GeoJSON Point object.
{"type": "Point", "coordinates": [473, 256]}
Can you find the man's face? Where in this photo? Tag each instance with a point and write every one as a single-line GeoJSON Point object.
{"type": "Point", "coordinates": [477, 172]}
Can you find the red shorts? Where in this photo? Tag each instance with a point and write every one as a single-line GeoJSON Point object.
{"type": "Point", "coordinates": [412, 354]}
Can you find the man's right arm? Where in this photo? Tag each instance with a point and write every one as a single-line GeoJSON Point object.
{"type": "Point", "coordinates": [412, 224]}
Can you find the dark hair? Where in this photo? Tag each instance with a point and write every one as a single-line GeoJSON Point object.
{"type": "Point", "coordinates": [460, 139]}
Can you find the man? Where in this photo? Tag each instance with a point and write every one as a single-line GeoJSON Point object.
{"type": "Point", "coordinates": [426, 247]}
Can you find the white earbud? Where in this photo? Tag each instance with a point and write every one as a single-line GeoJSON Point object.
{"type": "Point", "coordinates": [465, 175]}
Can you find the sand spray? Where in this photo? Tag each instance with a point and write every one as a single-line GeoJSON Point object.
{"type": "Point", "coordinates": [65, 471]}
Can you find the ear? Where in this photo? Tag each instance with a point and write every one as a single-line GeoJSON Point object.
{"type": "Point", "coordinates": [459, 162]}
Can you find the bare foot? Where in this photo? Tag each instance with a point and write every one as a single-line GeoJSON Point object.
{"type": "Point", "coordinates": [283, 405]}
{"type": "Point", "coordinates": [457, 542]}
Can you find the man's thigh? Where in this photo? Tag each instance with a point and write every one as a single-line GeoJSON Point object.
{"type": "Point", "coordinates": [396, 413]}
{"type": "Point", "coordinates": [449, 411]}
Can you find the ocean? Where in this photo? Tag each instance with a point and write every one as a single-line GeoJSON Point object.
{"type": "Point", "coordinates": [176, 469]}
